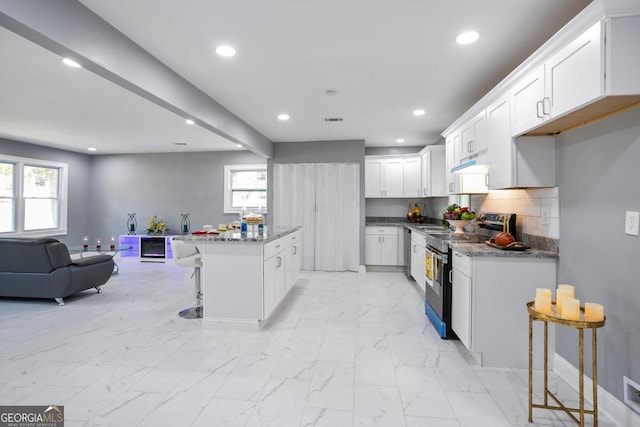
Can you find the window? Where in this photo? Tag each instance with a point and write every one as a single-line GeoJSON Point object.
{"type": "Point", "coordinates": [33, 199]}
{"type": "Point", "coordinates": [245, 186]}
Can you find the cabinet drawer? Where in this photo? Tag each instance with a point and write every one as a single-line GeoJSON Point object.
{"type": "Point", "coordinates": [382, 230]}
{"type": "Point", "coordinates": [272, 248]}
{"type": "Point", "coordinates": [462, 263]}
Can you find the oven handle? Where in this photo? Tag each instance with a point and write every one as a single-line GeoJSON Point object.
{"type": "Point", "coordinates": [439, 257]}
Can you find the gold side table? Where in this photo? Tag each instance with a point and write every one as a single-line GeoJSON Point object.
{"type": "Point", "coordinates": [580, 325]}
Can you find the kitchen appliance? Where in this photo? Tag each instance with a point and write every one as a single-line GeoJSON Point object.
{"type": "Point", "coordinates": [407, 252]}
{"type": "Point", "coordinates": [438, 256]}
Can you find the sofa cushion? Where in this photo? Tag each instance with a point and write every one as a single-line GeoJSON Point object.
{"type": "Point", "coordinates": [58, 254]}
{"type": "Point", "coordinates": [25, 255]}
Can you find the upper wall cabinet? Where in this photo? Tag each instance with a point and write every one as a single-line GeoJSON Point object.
{"type": "Point", "coordinates": [384, 176]}
{"type": "Point", "coordinates": [433, 180]}
{"type": "Point", "coordinates": [411, 175]}
{"type": "Point", "coordinates": [473, 138]}
{"type": "Point", "coordinates": [569, 79]}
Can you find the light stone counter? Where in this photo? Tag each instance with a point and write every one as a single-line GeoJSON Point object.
{"type": "Point", "coordinates": [484, 250]}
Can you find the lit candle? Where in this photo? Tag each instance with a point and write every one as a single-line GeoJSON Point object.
{"type": "Point", "coordinates": [543, 292]}
{"type": "Point", "coordinates": [542, 305]}
{"type": "Point", "coordinates": [563, 291]}
{"type": "Point", "coordinates": [593, 312]}
{"type": "Point", "coordinates": [570, 309]}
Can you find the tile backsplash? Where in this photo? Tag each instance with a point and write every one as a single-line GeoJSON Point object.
{"type": "Point", "coordinates": [530, 205]}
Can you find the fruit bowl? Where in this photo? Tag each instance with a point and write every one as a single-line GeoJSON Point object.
{"type": "Point", "coordinates": [459, 225]}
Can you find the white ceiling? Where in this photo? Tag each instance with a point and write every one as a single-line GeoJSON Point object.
{"type": "Point", "coordinates": [384, 58]}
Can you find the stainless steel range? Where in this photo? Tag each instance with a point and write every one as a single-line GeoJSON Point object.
{"type": "Point", "coordinates": [438, 257]}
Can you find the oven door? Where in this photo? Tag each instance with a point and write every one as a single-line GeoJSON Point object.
{"type": "Point", "coordinates": [434, 275]}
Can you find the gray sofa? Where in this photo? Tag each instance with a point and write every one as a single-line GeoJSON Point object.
{"type": "Point", "coordinates": [42, 268]}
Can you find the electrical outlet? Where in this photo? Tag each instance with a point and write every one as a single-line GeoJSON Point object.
{"type": "Point", "coordinates": [631, 394]}
{"type": "Point", "coordinates": [631, 223]}
{"type": "Point", "coordinates": [545, 215]}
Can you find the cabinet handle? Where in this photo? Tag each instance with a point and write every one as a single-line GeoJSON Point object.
{"type": "Point", "coordinates": [544, 106]}
{"type": "Point", "coordinates": [277, 246]}
{"type": "Point", "coordinates": [486, 179]}
{"type": "Point", "coordinates": [469, 150]}
{"type": "Point", "coordinates": [295, 250]}
{"type": "Point", "coordinates": [451, 276]}
{"type": "Point", "coordinates": [538, 107]}
{"type": "Point", "coordinates": [279, 262]}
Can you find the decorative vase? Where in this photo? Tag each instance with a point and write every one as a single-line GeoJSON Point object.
{"type": "Point", "coordinates": [132, 224]}
{"type": "Point", "coordinates": [459, 225]}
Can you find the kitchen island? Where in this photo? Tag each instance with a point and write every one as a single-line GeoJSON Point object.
{"type": "Point", "coordinates": [246, 275]}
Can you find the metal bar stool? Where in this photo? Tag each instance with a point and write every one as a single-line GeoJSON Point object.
{"type": "Point", "coordinates": [187, 254]}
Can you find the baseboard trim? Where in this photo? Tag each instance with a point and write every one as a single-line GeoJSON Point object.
{"type": "Point", "coordinates": [608, 404]}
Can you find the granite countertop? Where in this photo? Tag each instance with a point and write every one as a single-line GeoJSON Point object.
{"type": "Point", "coordinates": [399, 222]}
{"type": "Point", "coordinates": [484, 250]}
{"type": "Point", "coordinates": [270, 233]}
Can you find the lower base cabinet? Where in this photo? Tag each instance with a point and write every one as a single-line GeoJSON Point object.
{"type": "Point", "coordinates": [418, 244]}
{"type": "Point", "coordinates": [488, 307]}
{"type": "Point", "coordinates": [244, 282]}
{"type": "Point", "coordinates": [381, 245]}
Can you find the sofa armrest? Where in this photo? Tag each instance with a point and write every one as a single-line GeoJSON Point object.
{"type": "Point", "coordinates": [96, 259]}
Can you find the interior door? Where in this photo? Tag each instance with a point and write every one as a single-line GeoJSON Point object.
{"type": "Point", "coordinates": [325, 199]}
{"type": "Point", "coordinates": [294, 204]}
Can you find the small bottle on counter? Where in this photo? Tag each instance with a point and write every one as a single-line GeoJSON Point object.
{"type": "Point", "coordinates": [243, 221]}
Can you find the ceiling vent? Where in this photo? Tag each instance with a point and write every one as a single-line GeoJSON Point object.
{"type": "Point", "coordinates": [179, 143]}
{"type": "Point", "coordinates": [333, 119]}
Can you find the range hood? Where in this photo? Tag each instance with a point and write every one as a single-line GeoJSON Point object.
{"type": "Point", "coordinates": [472, 166]}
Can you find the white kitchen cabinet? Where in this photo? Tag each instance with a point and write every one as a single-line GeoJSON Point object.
{"type": "Point", "coordinates": [569, 79]}
{"type": "Point", "coordinates": [381, 245]}
{"type": "Point", "coordinates": [400, 259]}
{"type": "Point", "coordinates": [473, 138]}
{"type": "Point", "coordinates": [384, 176]}
{"type": "Point", "coordinates": [452, 179]}
{"type": "Point", "coordinates": [433, 180]}
{"type": "Point", "coordinates": [411, 174]}
{"type": "Point", "coordinates": [488, 306]}
{"type": "Point", "coordinates": [461, 290]}
{"type": "Point", "coordinates": [500, 149]}
{"type": "Point", "coordinates": [574, 76]}
{"type": "Point", "coordinates": [517, 162]}
{"type": "Point", "coordinates": [526, 98]}
{"type": "Point", "coordinates": [418, 244]}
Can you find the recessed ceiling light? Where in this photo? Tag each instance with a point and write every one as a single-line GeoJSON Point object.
{"type": "Point", "coordinates": [189, 122]}
{"type": "Point", "coordinates": [468, 37]}
{"type": "Point", "coordinates": [92, 149]}
{"type": "Point", "coordinates": [71, 63]}
{"type": "Point", "coordinates": [225, 50]}
{"type": "Point", "coordinates": [283, 117]}
{"type": "Point", "coordinates": [399, 140]}
{"type": "Point", "coordinates": [239, 145]}
{"type": "Point", "coordinates": [419, 112]}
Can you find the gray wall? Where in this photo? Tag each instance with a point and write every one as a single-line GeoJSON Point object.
{"type": "Point", "coordinates": [598, 176]}
{"type": "Point", "coordinates": [165, 185]}
{"type": "Point", "coordinates": [79, 221]}
{"type": "Point", "coordinates": [321, 152]}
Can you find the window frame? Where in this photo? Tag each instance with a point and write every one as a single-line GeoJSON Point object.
{"type": "Point", "coordinates": [228, 191]}
{"type": "Point", "coordinates": [19, 164]}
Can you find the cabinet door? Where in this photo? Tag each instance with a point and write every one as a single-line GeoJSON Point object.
{"type": "Point", "coordinates": [393, 177]}
{"type": "Point", "coordinates": [425, 182]}
{"type": "Point", "coordinates": [466, 141]}
{"type": "Point", "coordinates": [373, 178]}
{"type": "Point", "coordinates": [269, 285]}
{"type": "Point", "coordinates": [461, 307]}
{"type": "Point", "coordinates": [575, 75]}
{"type": "Point", "coordinates": [389, 250]}
{"type": "Point", "coordinates": [501, 148]}
{"type": "Point", "coordinates": [372, 251]}
{"type": "Point", "coordinates": [417, 264]}
{"type": "Point", "coordinates": [412, 180]}
{"type": "Point", "coordinates": [526, 97]}
{"type": "Point", "coordinates": [479, 126]}
{"type": "Point", "coordinates": [452, 179]}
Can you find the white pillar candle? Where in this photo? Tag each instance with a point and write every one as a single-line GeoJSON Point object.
{"type": "Point", "coordinates": [593, 312]}
{"type": "Point", "coordinates": [543, 292]}
{"type": "Point", "coordinates": [570, 309]}
{"type": "Point", "coordinates": [561, 294]}
{"type": "Point", "coordinates": [542, 305]}
{"type": "Point", "coordinates": [571, 289]}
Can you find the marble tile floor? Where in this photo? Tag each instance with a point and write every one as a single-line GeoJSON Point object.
{"type": "Point", "coordinates": [344, 349]}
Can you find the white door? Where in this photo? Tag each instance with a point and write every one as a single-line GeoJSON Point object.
{"type": "Point", "coordinates": [294, 202]}
{"type": "Point", "coordinates": [325, 199]}
{"type": "Point", "coordinates": [337, 217]}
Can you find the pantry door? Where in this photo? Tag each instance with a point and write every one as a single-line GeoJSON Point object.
{"type": "Point", "coordinates": [325, 199]}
